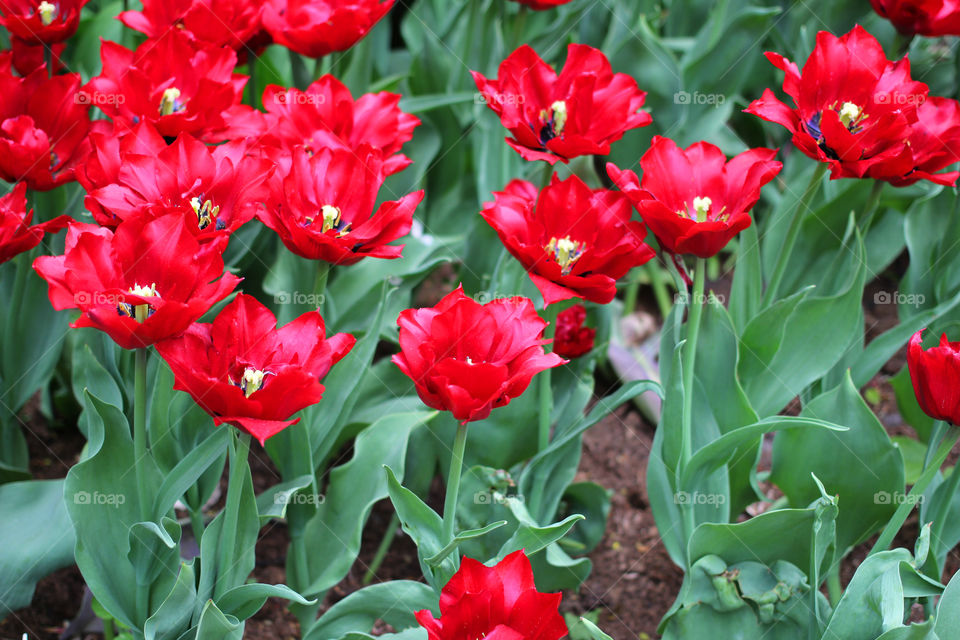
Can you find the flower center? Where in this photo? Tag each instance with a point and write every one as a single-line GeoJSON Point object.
{"type": "Point", "coordinates": [566, 252]}
{"type": "Point", "coordinates": [140, 311]}
{"type": "Point", "coordinates": [170, 102]}
{"type": "Point", "coordinates": [850, 114]}
{"type": "Point", "coordinates": [251, 381]}
{"type": "Point", "coordinates": [332, 220]}
{"type": "Point", "coordinates": [47, 13]}
{"type": "Point", "coordinates": [206, 213]}
{"type": "Point", "coordinates": [701, 210]}
{"type": "Point", "coordinates": [553, 121]}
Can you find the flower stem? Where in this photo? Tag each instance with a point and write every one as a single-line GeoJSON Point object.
{"type": "Point", "coordinates": [546, 390]}
{"type": "Point", "coordinates": [906, 506]}
{"type": "Point", "coordinates": [48, 59]}
{"type": "Point", "coordinates": [940, 518]}
{"type": "Point", "coordinates": [140, 461]}
{"type": "Point", "coordinates": [301, 77]}
{"type": "Point", "coordinates": [871, 207]}
{"type": "Point", "coordinates": [239, 451]}
{"type": "Point", "coordinates": [793, 231]}
{"type": "Point", "coordinates": [320, 283]}
{"type": "Point", "coordinates": [695, 307]}
{"type": "Point", "coordinates": [252, 82]}
{"type": "Point", "coordinates": [453, 483]}
{"type": "Point", "coordinates": [381, 553]}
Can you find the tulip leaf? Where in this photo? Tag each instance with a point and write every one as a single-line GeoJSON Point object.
{"type": "Point", "coordinates": [154, 549]}
{"type": "Point", "coordinates": [948, 609]}
{"type": "Point", "coordinates": [393, 602]}
{"type": "Point", "coordinates": [173, 615]}
{"type": "Point", "coordinates": [908, 406]}
{"type": "Point", "coordinates": [215, 625]}
{"type": "Point", "coordinates": [189, 469]}
{"type": "Point", "coordinates": [746, 292]}
{"type": "Point", "coordinates": [273, 502]}
{"type": "Point", "coordinates": [593, 630]}
{"type": "Point", "coordinates": [529, 536]}
{"type": "Point", "coordinates": [435, 560]}
{"type": "Point", "coordinates": [245, 600]}
{"type": "Point", "coordinates": [424, 103]}
{"type": "Point", "coordinates": [413, 633]}
{"type": "Point", "coordinates": [38, 538]}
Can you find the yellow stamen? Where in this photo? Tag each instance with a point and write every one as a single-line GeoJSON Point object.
{"type": "Point", "coordinates": [850, 114]}
{"type": "Point", "coordinates": [252, 381]}
{"type": "Point", "coordinates": [556, 116]}
{"type": "Point", "coordinates": [566, 252]}
{"type": "Point", "coordinates": [702, 207]}
{"type": "Point", "coordinates": [206, 212]}
{"type": "Point", "coordinates": [141, 311]}
{"type": "Point", "coordinates": [47, 13]}
{"type": "Point", "coordinates": [170, 102]}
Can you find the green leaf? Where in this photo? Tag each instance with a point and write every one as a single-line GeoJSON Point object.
{"type": "Point", "coordinates": [245, 600]}
{"type": "Point", "coordinates": [173, 615]}
{"type": "Point", "coordinates": [948, 609]}
{"type": "Point", "coordinates": [215, 625]}
{"type": "Point", "coordinates": [422, 104]}
{"type": "Point", "coordinates": [189, 469]}
{"type": "Point", "coordinates": [273, 502]}
{"type": "Point", "coordinates": [435, 560]}
{"type": "Point", "coordinates": [393, 602]}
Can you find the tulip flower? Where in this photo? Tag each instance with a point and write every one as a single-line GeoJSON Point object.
{"type": "Point", "coordinates": [573, 241]}
{"type": "Point", "coordinates": [41, 21]}
{"type": "Point", "coordinates": [28, 55]}
{"type": "Point", "coordinates": [223, 186]}
{"type": "Point", "coordinates": [326, 115]}
{"type": "Point", "coordinates": [499, 602]}
{"type": "Point", "coordinates": [555, 117]}
{"type": "Point", "coordinates": [933, 144]}
{"type": "Point", "coordinates": [246, 372]}
{"type": "Point", "coordinates": [572, 338]}
{"type": "Point", "coordinates": [935, 373]}
{"type": "Point", "coordinates": [314, 28]}
{"type": "Point", "coordinates": [325, 208]}
{"type": "Point", "coordinates": [177, 84]}
{"type": "Point", "coordinates": [221, 23]}
{"type": "Point", "coordinates": [469, 358]}
{"type": "Point", "coordinates": [43, 127]}
{"type": "Point", "coordinates": [923, 17]}
{"type": "Point", "coordinates": [695, 200]}
{"type": "Point", "coordinates": [854, 108]}
{"type": "Point", "coordinates": [146, 282]}
{"type": "Point", "coordinates": [16, 233]}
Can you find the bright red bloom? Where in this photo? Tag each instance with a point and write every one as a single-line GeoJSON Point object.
{"type": "Point", "coordinates": [542, 5]}
{"type": "Point", "coordinates": [245, 371]}
{"type": "Point", "coordinates": [933, 144]}
{"type": "Point", "coordinates": [16, 234]}
{"type": "Point", "coordinates": [41, 20]}
{"type": "Point", "coordinates": [854, 107]}
{"type": "Point", "coordinates": [924, 17]}
{"type": "Point", "coordinates": [326, 115]}
{"type": "Point", "coordinates": [572, 339]}
{"type": "Point", "coordinates": [221, 23]}
{"type": "Point", "coordinates": [223, 187]}
{"type": "Point", "coordinates": [314, 28]}
{"type": "Point", "coordinates": [573, 241]}
{"type": "Point", "coordinates": [558, 117]}
{"type": "Point", "coordinates": [935, 374]}
{"type": "Point", "coordinates": [496, 603]}
{"type": "Point", "coordinates": [469, 358]}
{"type": "Point", "coordinates": [43, 127]}
{"type": "Point", "coordinates": [28, 55]}
{"type": "Point", "coordinates": [324, 208]}
{"type": "Point", "coordinates": [177, 84]}
{"type": "Point", "coordinates": [146, 282]}
{"type": "Point", "coordinates": [694, 200]}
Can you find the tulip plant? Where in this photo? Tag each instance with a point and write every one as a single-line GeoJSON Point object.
{"type": "Point", "coordinates": [386, 249]}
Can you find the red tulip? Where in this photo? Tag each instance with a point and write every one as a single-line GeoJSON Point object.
{"type": "Point", "coordinates": [573, 241]}
{"type": "Point", "coordinates": [178, 85]}
{"type": "Point", "coordinates": [146, 282]}
{"type": "Point", "coordinates": [16, 234]}
{"type": "Point", "coordinates": [221, 23]}
{"type": "Point", "coordinates": [315, 28]}
{"type": "Point", "coordinates": [220, 188]}
{"type": "Point", "coordinates": [497, 603]}
{"type": "Point", "coordinates": [924, 17]}
{"type": "Point", "coordinates": [41, 21]}
{"type": "Point", "coordinates": [326, 115]}
{"type": "Point", "coordinates": [935, 374]}
{"type": "Point", "coordinates": [542, 5]}
{"type": "Point", "coordinates": [694, 200]}
{"type": "Point", "coordinates": [43, 127]}
{"type": "Point", "coordinates": [28, 55]}
{"type": "Point", "coordinates": [469, 358]}
{"type": "Point", "coordinates": [558, 117]}
{"type": "Point", "coordinates": [853, 109]}
{"type": "Point", "coordinates": [933, 144]}
{"type": "Point", "coordinates": [324, 208]}
{"type": "Point", "coordinates": [572, 339]}
{"type": "Point", "coordinates": [246, 372]}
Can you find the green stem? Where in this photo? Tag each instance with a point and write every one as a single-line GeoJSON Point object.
{"type": "Point", "coordinates": [140, 430]}
{"type": "Point", "coordinates": [936, 437]}
{"type": "Point", "coordinates": [901, 44]}
{"type": "Point", "coordinates": [943, 510]}
{"type": "Point", "coordinates": [872, 206]}
{"type": "Point", "coordinates": [453, 484]}
{"type": "Point", "coordinates": [695, 307]}
{"type": "Point", "coordinates": [108, 633]}
{"type": "Point", "coordinates": [48, 59]}
{"type": "Point", "coordinates": [906, 506]}
{"type": "Point", "coordinates": [382, 549]}
{"type": "Point", "coordinates": [320, 283]}
{"type": "Point", "coordinates": [547, 175]}
{"type": "Point", "coordinates": [633, 290]}
{"type": "Point", "coordinates": [833, 584]}
{"type": "Point", "coordinates": [546, 391]}
{"type": "Point", "coordinates": [301, 77]}
{"type": "Point", "coordinates": [239, 451]}
{"type": "Point", "coordinates": [660, 292]}
{"type": "Point", "coordinates": [792, 232]}
{"type": "Point", "coordinates": [252, 82]}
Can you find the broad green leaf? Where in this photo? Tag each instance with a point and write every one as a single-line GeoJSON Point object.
{"type": "Point", "coordinates": [393, 602]}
